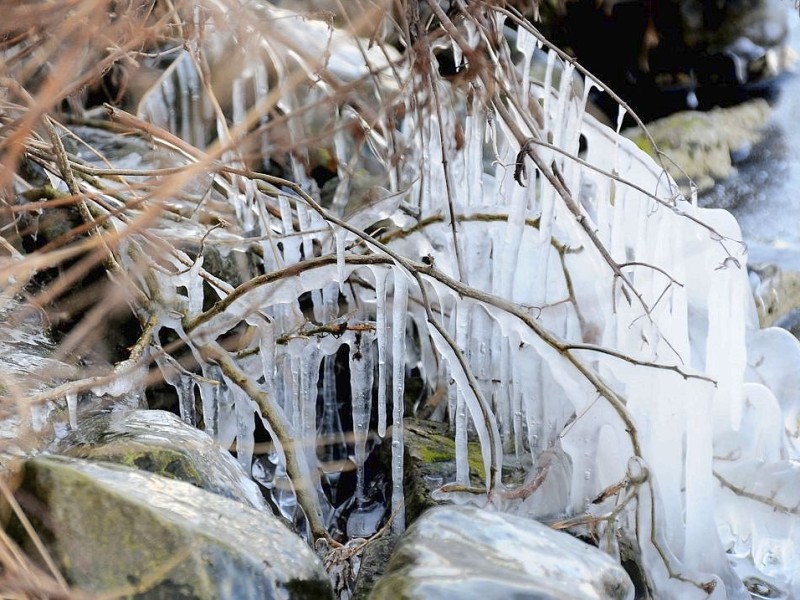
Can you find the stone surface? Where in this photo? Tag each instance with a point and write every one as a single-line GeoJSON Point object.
{"type": "Point", "coordinates": [430, 462]}
{"type": "Point", "coordinates": [374, 560]}
{"type": "Point", "coordinates": [701, 146]}
{"type": "Point", "coordinates": [777, 294]}
{"type": "Point", "coordinates": [466, 552]}
{"type": "Point", "coordinates": [113, 529]}
{"type": "Point", "coordinates": [161, 443]}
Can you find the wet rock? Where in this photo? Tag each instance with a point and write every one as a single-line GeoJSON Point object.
{"type": "Point", "coordinates": [777, 295]}
{"type": "Point", "coordinates": [374, 560]}
{"type": "Point", "coordinates": [430, 462]}
{"type": "Point", "coordinates": [790, 322]}
{"type": "Point", "coordinates": [26, 370]}
{"type": "Point", "coordinates": [26, 350]}
{"type": "Point", "coordinates": [467, 552]}
{"type": "Point", "coordinates": [161, 443]}
{"type": "Point", "coordinates": [113, 529]}
{"type": "Point", "coordinates": [701, 146]}
{"type": "Point", "coordinates": [664, 56]}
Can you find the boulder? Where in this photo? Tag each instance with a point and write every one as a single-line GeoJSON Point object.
{"type": "Point", "coordinates": [467, 552]}
{"type": "Point", "coordinates": [115, 530]}
{"type": "Point", "coordinates": [159, 442]}
{"type": "Point", "coordinates": [702, 146]}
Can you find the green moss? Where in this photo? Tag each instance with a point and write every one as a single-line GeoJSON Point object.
{"type": "Point", "coordinates": [97, 537]}
{"type": "Point", "coordinates": [440, 448]}
{"type": "Point", "coordinates": [161, 461]}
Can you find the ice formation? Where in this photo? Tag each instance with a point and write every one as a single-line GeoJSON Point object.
{"type": "Point", "coordinates": [586, 315]}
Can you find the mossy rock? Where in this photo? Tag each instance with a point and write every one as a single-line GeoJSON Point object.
{"type": "Point", "coordinates": [429, 462]}
{"type": "Point", "coordinates": [700, 145]}
{"type": "Point", "coordinates": [115, 530]}
{"type": "Point", "coordinates": [159, 442]}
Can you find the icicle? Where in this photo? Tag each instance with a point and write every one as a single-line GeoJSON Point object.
{"type": "Point", "coordinates": [361, 394]}
{"type": "Point", "coordinates": [620, 118]}
{"type": "Point", "coordinates": [380, 327]}
{"type": "Point", "coordinates": [291, 253]}
{"type": "Point", "coordinates": [309, 379]}
{"type": "Point", "coordinates": [186, 399]}
{"type": "Point", "coordinates": [261, 89]}
{"type": "Point", "coordinates": [505, 412]}
{"type": "Point", "coordinates": [184, 76]}
{"type": "Point", "coordinates": [341, 238]}
{"type": "Point", "coordinates": [461, 442]}
{"type": "Point", "coordinates": [330, 303]}
{"type": "Point", "coordinates": [458, 55]}
{"type": "Point", "coordinates": [72, 409]}
{"type": "Point", "coordinates": [473, 154]}
{"type": "Point", "coordinates": [547, 91]}
{"type": "Point", "coordinates": [512, 238]}
{"type": "Point", "coordinates": [330, 427]}
{"type": "Point", "coordinates": [209, 396]}
{"type": "Point", "coordinates": [304, 221]}
{"type": "Point", "coordinates": [526, 44]}
{"type": "Point", "coordinates": [245, 427]}
{"type": "Point", "coordinates": [193, 283]}
{"type": "Point", "coordinates": [168, 93]}
{"type": "Point", "coordinates": [399, 300]}
{"type": "Point", "coordinates": [489, 440]}
{"type": "Point", "coordinates": [183, 383]}
{"type": "Point", "coordinates": [462, 318]}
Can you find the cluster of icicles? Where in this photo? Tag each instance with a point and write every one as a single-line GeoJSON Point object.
{"type": "Point", "coordinates": [555, 356]}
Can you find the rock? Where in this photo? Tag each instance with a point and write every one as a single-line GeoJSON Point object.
{"type": "Point", "coordinates": [115, 530]}
{"type": "Point", "coordinates": [28, 369]}
{"type": "Point", "coordinates": [374, 559]}
{"type": "Point", "coordinates": [664, 56]}
{"type": "Point", "coordinates": [430, 462]}
{"type": "Point", "coordinates": [159, 442]}
{"type": "Point", "coordinates": [702, 144]}
{"type": "Point", "coordinates": [790, 322]}
{"type": "Point", "coordinates": [777, 294]}
{"type": "Point", "coordinates": [466, 552]}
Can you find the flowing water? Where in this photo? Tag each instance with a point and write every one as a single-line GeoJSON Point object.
{"type": "Point", "coordinates": [763, 196]}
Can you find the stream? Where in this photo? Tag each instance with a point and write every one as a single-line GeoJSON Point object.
{"type": "Point", "coordinates": [763, 194]}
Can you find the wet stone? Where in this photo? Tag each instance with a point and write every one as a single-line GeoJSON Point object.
{"type": "Point", "coordinates": [160, 442]}
{"type": "Point", "coordinates": [374, 560]}
{"type": "Point", "coordinates": [116, 530]}
{"type": "Point", "coordinates": [469, 553]}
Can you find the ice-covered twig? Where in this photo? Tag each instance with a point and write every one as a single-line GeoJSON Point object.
{"type": "Point", "coordinates": [766, 500]}
{"type": "Point", "coordinates": [669, 204]}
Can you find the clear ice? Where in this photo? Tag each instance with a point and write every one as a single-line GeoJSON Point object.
{"type": "Point", "coordinates": [605, 328]}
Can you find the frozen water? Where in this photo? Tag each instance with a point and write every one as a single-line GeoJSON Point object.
{"type": "Point", "coordinates": [592, 321]}
{"type": "Point", "coordinates": [364, 521]}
